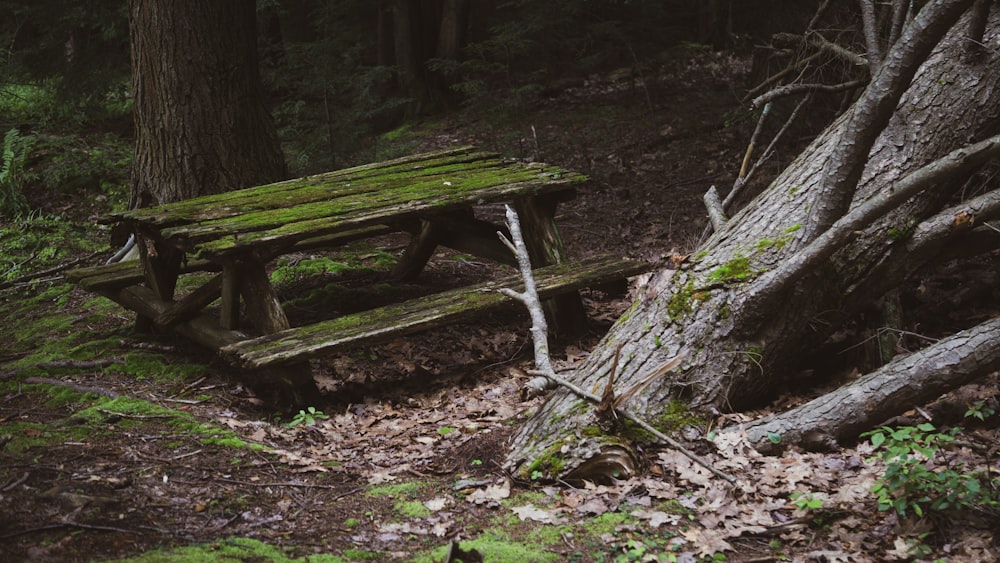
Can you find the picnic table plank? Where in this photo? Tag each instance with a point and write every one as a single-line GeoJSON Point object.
{"type": "Point", "coordinates": [424, 313]}
{"type": "Point", "coordinates": [344, 212]}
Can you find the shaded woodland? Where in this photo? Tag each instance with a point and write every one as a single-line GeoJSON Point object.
{"type": "Point", "coordinates": [810, 373]}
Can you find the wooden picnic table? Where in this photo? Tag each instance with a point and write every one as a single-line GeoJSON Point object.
{"type": "Point", "coordinates": [431, 196]}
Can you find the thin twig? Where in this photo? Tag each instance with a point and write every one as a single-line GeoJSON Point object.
{"type": "Point", "coordinates": [793, 89]}
{"type": "Point", "coordinates": [41, 274]}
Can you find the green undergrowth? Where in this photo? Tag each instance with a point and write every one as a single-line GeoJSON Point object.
{"type": "Point", "coordinates": [89, 416]}
{"type": "Point", "coordinates": [229, 550]}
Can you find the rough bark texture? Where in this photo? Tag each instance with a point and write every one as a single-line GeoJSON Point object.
{"type": "Point", "coordinates": [903, 383]}
{"type": "Point", "coordinates": [200, 121]}
{"type": "Point", "coordinates": [708, 310]}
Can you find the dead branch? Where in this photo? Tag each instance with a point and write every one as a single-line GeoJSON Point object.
{"type": "Point", "coordinates": [74, 386]}
{"type": "Point", "coordinates": [80, 364]}
{"type": "Point", "coordinates": [977, 28]}
{"type": "Point", "coordinates": [891, 390]}
{"type": "Point", "coordinates": [47, 272]}
{"type": "Point", "coordinates": [539, 328]}
{"type": "Point", "coordinates": [799, 65]}
{"type": "Point", "coordinates": [956, 220]}
{"type": "Point", "coordinates": [764, 156]}
{"type": "Point", "coordinates": [956, 163]}
{"type": "Point", "coordinates": [716, 215]}
{"type": "Point", "coordinates": [900, 10]}
{"type": "Point", "coordinates": [872, 111]}
{"type": "Point", "coordinates": [874, 54]}
{"type": "Point", "coordinates": [824, 45]}
{"type": "Point", "coordinates": [794, 89]}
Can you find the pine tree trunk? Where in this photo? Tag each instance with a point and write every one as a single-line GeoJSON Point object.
{"type": "Point", "coordinates": [738, 332]}
{"type": "Point", "coordinates": [200, 120]}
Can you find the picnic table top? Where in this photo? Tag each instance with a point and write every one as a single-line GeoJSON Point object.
{"type": "Point", "coordinates": [283, 213]}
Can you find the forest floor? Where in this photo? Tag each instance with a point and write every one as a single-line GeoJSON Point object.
{"type": "Point", "coordinates": [115, 444]}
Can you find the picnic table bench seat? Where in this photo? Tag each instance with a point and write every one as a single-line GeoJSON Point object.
{"type": "Point", "coordinates": [432, 311]}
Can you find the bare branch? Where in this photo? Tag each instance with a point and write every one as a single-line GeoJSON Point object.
{"type": "Point", "coordinates": [821, 43]}
{"type": "Point", "coordinates": [959, 162]}
{"type": "Point", "coordinates": [874, 54]}
{"type": "Point", "coordinates": [977, 28]}
{"type": "Point", "coordinates": [955, 220]}
{"type": "Point", "coordinates": [793, 66]}
{"type": "Point", "coordinates": [716, 216]}
{"type": "Point", "coordinates": [767, 152]}
{"type": "Point", "coordinates": [820, 10]}
{"type": "Point", "coordinates": [539, 328]}
{"type": "Point", "coordinates": [900, 8]}
{"type": "Point", "coordinates": [792, 89]}
{"type": "Point", "coordinates": [872, 111]}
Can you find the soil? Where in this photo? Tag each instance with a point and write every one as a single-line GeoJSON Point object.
{"type": "Point", "coordinates": [133, 443]}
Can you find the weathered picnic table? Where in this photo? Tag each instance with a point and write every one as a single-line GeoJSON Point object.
{"type": "Point", "coordinates": [431, 196]}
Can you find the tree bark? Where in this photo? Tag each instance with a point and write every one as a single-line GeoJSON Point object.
{"type": "Point", "coordinates": [200, 121]}
{"type": "Point", "coordinates": [901, 384]}
{"type": "Point", "coordinates": [739, 330]}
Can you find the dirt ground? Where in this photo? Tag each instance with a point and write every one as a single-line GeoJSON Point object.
{"type": "Point", "coordinates": [114, 443]}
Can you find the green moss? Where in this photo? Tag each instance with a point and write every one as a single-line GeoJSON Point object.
{"type": "Point", "coordinates": [230, 550]}
{"type": "Point", "coordinates": [548, 465]}
{"type": "Point", "coordinates": [680, 301]}
{"type": "Point", "coordinates": [608, 523]}
{"type": "Point", "coordinates": [676, 415]}
{"type": "Point", "coordinates": [412, 509]}
{"type": "Point", "coordinates": [410, 489]}
{"type": "Point", "coordinates": [901, 232]}
{"type": "Point", "coordinates": [157, 367]}
{"type": "Point", "coordinates": [793, 228]}
{"type": "Point", "coordinates": [736, 270]}
{"type": "Point", "coordinates": [494, 550]}
{"type": "Point", "coordinates": [725, 311]}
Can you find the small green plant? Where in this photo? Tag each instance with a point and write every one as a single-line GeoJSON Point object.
{"type": "Point", "coordinates": [806, 501]}
{"type": "Point", "coordinates": [980, 411]}
{"type": "Point", "coordinates": [913, 482]}
{"type": "Point", "coordinates": [307, 417]}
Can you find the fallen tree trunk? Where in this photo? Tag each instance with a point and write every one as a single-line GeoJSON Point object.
{"type": "Point", "coordinates": [766, 289]}
{"type": "Point", "coordinates": [912, 380]}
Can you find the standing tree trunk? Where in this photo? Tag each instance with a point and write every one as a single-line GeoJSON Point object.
{"type": "Point", "coordinates": [200, 121]}
{"type": "Point", "coordinates": [745, 311]}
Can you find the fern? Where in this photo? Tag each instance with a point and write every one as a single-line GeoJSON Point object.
{"type": "Point", "coordinates": [13, 175]}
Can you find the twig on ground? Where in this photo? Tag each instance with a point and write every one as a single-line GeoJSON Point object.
{"type": "Point", "coordinates": [74, 386]}
{"type": "Point", "coordinates": [80, 364]}
{"type": "Point", "coordinates": [47, 272]}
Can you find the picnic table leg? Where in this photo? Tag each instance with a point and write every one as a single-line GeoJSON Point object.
{"type": "Point", "coordinates": [161, 265]}
{"type": "Point", "coordinates": [293, 384]}
{"type": "Point", "coordinates": [418, 252]}
{"type": "Point", "coordinates": [545, 248]}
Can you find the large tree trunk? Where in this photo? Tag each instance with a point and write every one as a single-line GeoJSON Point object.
{"type": "Point", "coordinates": [768, 287]}
{"type": "Point", "coordinates": [200, 121]}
